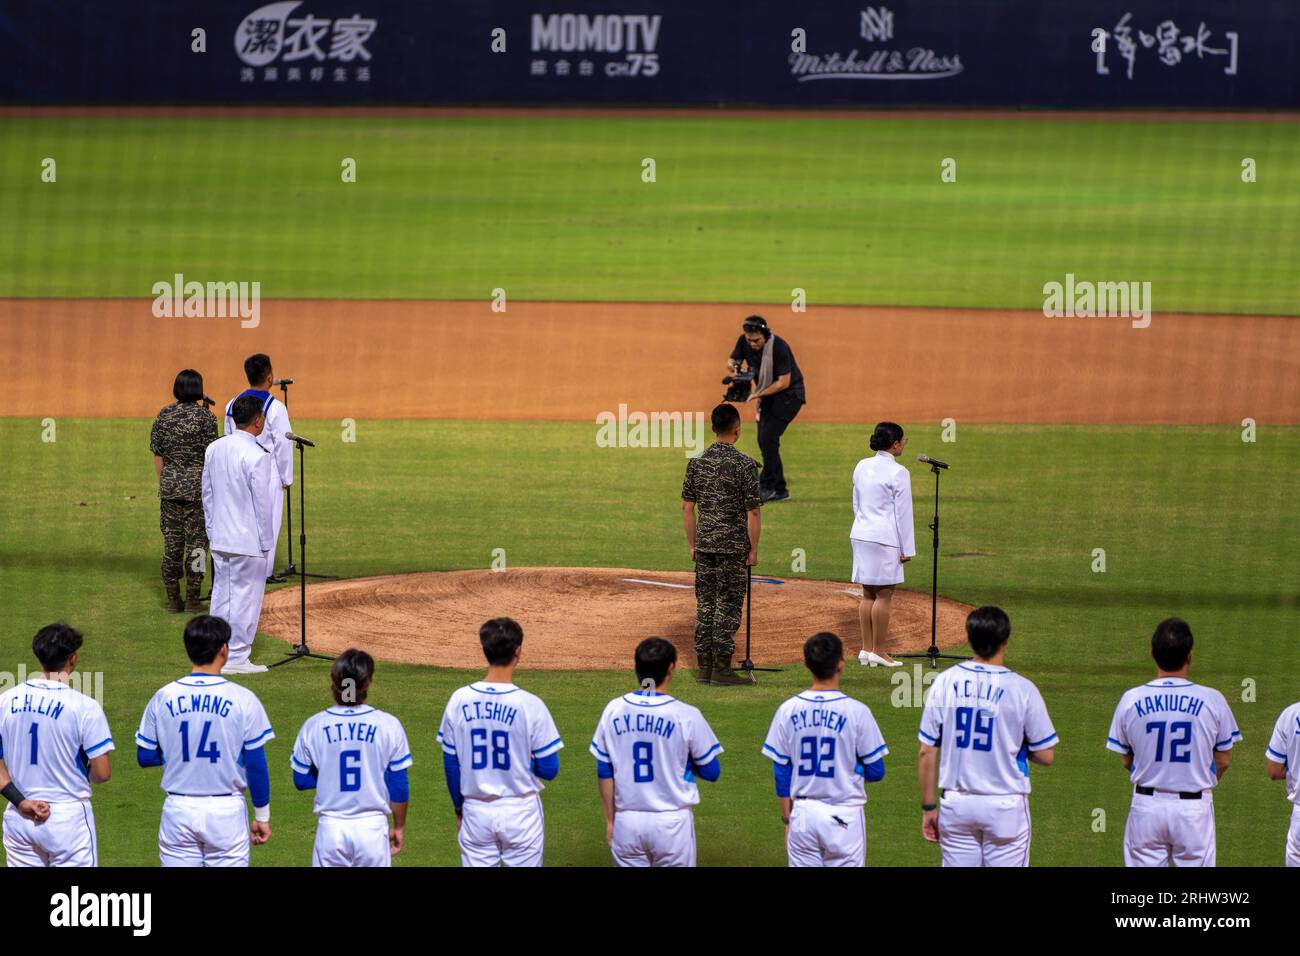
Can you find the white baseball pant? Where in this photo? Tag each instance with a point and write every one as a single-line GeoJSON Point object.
{"type": "Point", "coordinates": [650, 838]}
{"type": "Point", "coordinates": [1293, 839]}
{"type": "Point", "coordinates": [1164, 829]}
{"type": "Point", "coordinates": [66, 838]}
{"type": "Point", "coordinates": [977, 829]}
{"type": "Point", "coordinates": [351, 841]}
{"type": "Point", "coordinates": [823, 834]}
{"type": "Point", "coordinates": [204, 831]}
{"type": "Point", "coordinates": [277, 518]}
{"type": "Point", "coordinates": [238, 586]}
{"type": "Point", "coordinates": [506, 831]}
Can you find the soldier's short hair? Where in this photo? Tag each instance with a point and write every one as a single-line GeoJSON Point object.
{"type": "Point", "coordinates": [987, 629]}
{"type": "Point", "coordinates": [205, 635]}
{"type": "Point", "coordinates": [188, 386]}
{"type": "Point", "coordinates": [54, 645]}
{"type": "Point", "coordinates": [245, 410]}
{"type": "Point", "coordinates": [501, 638]}
{"type": "Point", "coordinates": [257, 368]}
{"type": "Point", "coordinates": [821, 653]}
{"type": "Point", "coordinates": [724, 418]}
{"type": "Point", "coordinates": [351, 675]}
{"type": "Point", "coordinates": [654, 656]}
{"type": "Point", "coordinates": [1171, 644]}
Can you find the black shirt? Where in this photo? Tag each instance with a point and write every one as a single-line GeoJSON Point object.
{"type": "Point", "coordinates": [782, 363]}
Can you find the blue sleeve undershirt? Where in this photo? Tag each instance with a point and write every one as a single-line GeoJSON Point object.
{"type": "Point", "coordinates": [783, 773]}
{"type": "Point", "coordinates": [148, 758]}
{"type": "Point", "coordinates": [604, 770]}
{"type": "Point", "coordinates": [874, 772]}
{"type": "Point", "coordinates": [259, 776]}
{"type": "Point", "coordinates": [305, 781]}
{"type": "Point", "coordinates": [399, 786]}
{"type": "Point", "coordinates": [451, 767]}
{"type": "Point", "coordinates": [711, 771]}
{"type": "Point", "coordinates": [548, 768]}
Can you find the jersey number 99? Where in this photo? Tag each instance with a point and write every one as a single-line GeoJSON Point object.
{"type": "Point", "coordinates": [974, 729]}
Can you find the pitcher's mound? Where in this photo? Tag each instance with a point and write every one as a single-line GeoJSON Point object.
{"type": "Point", "coordinates": [580, 618]}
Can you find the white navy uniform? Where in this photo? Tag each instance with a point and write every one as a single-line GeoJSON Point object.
{"type": "Point", "coordinates": [1284, 748]}
{"type": "Point", "coordinates": [985, 720]}
{"type": "Point", "coordinates": [827, 736]}
{"type": "Point", "coordinates": [1172, 729]}
{"type": "Point", "coordinates": [654, 742]}
{"type": "Point", "coordinates": [351, 749]}
{"type": "Point", "coordinates": [48, 734]}
{"type": "Point", "coordinates": [882, 529]}
{"type": "Point", "coordinates": [203, 724]}
{"type": "Point", "coordinates": [495, 732]}
{"type": "Point", "coordinates": [281, 452]}
{"type": "Point", "coordinates": [237, 513]}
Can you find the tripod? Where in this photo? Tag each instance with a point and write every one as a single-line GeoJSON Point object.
{"type": "Point", "coordinates": [747, 665]}
{"type": "Point", "coordinates": [301, 649]}
{"type": "Point", "coordinates": [932, 652]}
{"type": "Point", "coordinates": [291, 569]}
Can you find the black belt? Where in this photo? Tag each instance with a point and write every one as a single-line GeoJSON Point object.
{"type": "Point", "coordinates": [1182, 795]}
{"type": "Point", "coordinates": [173, 793]}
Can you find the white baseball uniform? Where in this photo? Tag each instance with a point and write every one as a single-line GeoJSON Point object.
{"type": "Point", "coordinates": [653, 742]}
{"type": "Point", "coordinates": [204, 725]}
{"type": "Point", "coordinates": [281, 451]}
{"type": "Point", "coordinates": [1284, 748]}
{"type": "Point", "coordinates": [237, 513]}
{"type": "Point", "coordinates": [1172, 729]}
{"type": "Point", "coordinates": [495, 732]}
{"type": "Point", "coordinates": [49, 732]}
{"type": "Point", "coordinates": [828, 737]}
{"type": "Point", "coordinates": [985, 720]}
{"type": "Point", "coordinates": [350, 750]}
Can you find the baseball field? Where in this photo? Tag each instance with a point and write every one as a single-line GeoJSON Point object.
{"type": "Point", "coordinates": [1104, 475]}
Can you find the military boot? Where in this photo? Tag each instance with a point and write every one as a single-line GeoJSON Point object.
{"type": "Point", "coordinates": [725, 676]}
{"type": "Point", "coordinates": [174, 603]}
{"type": "Point", "coordinates": [705, 666]}
{"type": "Point", "coordinates": [193, 589]}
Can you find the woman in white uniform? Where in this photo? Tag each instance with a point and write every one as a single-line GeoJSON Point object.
{"type": "Point", "coordinates": [883, 539]}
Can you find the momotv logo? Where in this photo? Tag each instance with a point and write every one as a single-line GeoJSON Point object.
{"type": "Point", "coordinates": [602, 33]}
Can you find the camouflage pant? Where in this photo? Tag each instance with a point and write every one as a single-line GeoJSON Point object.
{"type": "Point", "coordinates": [185, 544]}
{"type": "Point", "coordinates": [719, 601]}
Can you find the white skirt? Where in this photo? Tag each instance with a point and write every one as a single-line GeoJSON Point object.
{"type": "Point", "coordinates": [876, 564]}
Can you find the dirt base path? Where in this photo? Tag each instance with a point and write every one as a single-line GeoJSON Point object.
{"type": "Point", "coordinates": [441, 359]}
{"type": "Point", "coordinates": [579, 618]}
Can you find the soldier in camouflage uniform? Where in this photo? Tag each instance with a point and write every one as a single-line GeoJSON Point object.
{"type": "Point", "coordinates": [180, 435]}
{"type": "Point", "coordinates": [722, 484]}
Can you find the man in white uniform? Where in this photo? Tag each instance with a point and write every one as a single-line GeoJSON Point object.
{"type": "Point", "coordinates": [1284, 764]}
{"type": "Point", "coordinates": [649, 749]}
{"type": "Point", "coordinates": [498, 744]}
{"type": "Point", "coordinates": [237, 511]}
{"type": "Point", "coordinates": [261, 379]}
{"type": "Point", "coordinates": [54, 743]}
{"type": "Point", "coordinates": [209, 736]}
{"type": "Point", "coordinates": [981, 728]}
{"type": "Point", "coordinates": [824, 745]}
{"type": "Point", "coordinates": [355, 757]}
{"type": "Point", "coordinates": [1175, 738]}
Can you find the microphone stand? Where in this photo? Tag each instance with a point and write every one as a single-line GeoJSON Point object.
{"type": "Point", "coordinates": [932, 652]}
{"type": "Point", "coordinates": [291, 569]}
{"type": "Point", "coordinates": [747, 665]}
{"type": "Point", "coordinates": [301, 649]}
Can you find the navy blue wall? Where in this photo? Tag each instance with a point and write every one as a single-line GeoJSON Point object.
{"type": "Point", "coordinates": [1178, 53]}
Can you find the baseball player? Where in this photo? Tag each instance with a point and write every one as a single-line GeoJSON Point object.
{"type": "Point", "coordinates": [261, 378]}
{"type": "Point", "coordinates": [1284, 764]}
{"type": "Point", "coordinates": [1175, 738]}
{"type": "Point", "coordinates": [649, 748]}
{"type": "Point", "coordinates": [355, 757]}
{"type": "Point", "coordinates": [823, 745]}
{"type": "Point", "coordinates": [237, 514]}
{"type": "Point", "coordinates": [209, 736]}
{"type": "Point", "coordinates": [982, 726]}
{"type": "Point", "coordinates": [498, 744]}
{"type": "Point", "coordinates": [54, 743]}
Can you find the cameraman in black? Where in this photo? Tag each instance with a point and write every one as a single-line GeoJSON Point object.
{"type": "Point", "coordinates": [778, 386]}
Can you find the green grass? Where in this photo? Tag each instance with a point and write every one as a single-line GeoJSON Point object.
{"type": "Point", "coordinates": [1193, 522]}
{"type": "Point", "coordinates": [743, 209]}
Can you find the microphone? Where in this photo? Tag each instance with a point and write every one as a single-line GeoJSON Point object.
{"type": "Point", "coordinates": [281, 381]}
{"type": "Point", "coordinates": [927, 460]}
{"type": "Point", "coordinates": [311, 444]}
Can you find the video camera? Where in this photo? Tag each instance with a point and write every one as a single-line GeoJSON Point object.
{"type": "Point", "coordinates": [738, 387]}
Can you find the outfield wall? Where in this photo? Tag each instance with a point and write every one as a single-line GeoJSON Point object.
{"type": "Point", "coordinates": [1236, 54]}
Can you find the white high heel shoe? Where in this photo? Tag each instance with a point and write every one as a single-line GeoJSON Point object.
{"type": "Point", "coordinates": [865, 659]}
{"type": "Point", "coordinates": [877, 661]}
